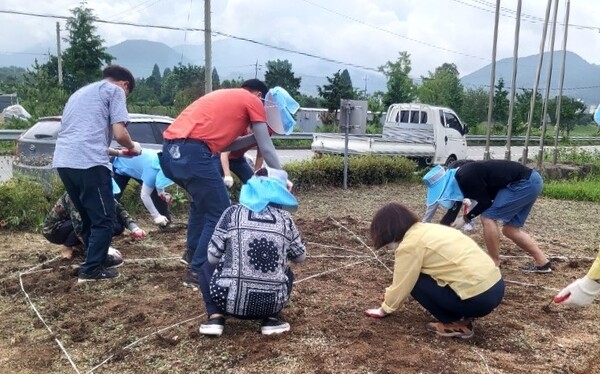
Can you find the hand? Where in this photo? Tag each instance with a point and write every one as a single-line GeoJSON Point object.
{"type": "Point", "coordinates": [579, 293]}
{"type": "Point", "coordinates": [467, 202]}
{"type": "Point", "coordinates": [289, 185]}
{"type": "Point", "coordinates": [459, 222]}
{"type": "Point", "coordinates": [161, 220]}
{"type": "Point", "coordinates": [132, 152]}
{"type": "Point", "coordinates": [376, 313]}
{"type": "Point", "coordinates": [228, 179]}
{"type": "Point", "coordinates": [166, 197]}
{"type": "Point", "coordinates": [138, 234]}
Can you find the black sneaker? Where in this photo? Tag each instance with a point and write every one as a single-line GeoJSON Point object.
{"type": "Point", "coordinates": [186, 258]}
{"type": "Point", "coordinates": [273, 325]}
{"type": "Point", "coordinates": [191, 280]}
{"type": "Point", "coordinates": [213, 326]}
{"type": "Point", "coordinates": [112, 262]}
{"type": "Point", "coordinates": [100, 274]}
{"type": "Point", "coordinates": [533, 268]}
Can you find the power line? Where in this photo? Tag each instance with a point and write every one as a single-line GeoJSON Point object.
{"type": "Point", "coordinates": [173, 28]}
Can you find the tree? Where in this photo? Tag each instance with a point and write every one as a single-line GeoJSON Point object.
{"type": "Point", "coordinates": [572, 112]}
{"type": "Point", "coordinates": [335, 91]}
{"type": "Point", "coordinates": [279, 73]}
{"type": "Point", "coordinates": [474, 108]}
{"type": "Point", "coordinates": [232, 83]}
{"type": "Point", "coordinates": [84, 58]}
{"type": "Point", "coordinates": [501, 104]}
{"type": "Point", "coordinates": [442, 87]}
{"type": "Point", "coordinates": [522, 108]}
{"type": "Point", "coordinates": [216, 81]}
{"type": "Point", "coordinates": [401, 88]}
{"type": "Point", "coordinates": [41, 94]}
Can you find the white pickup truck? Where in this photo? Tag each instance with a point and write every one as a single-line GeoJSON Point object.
{"type": "Point", "coordinates": [424, 133]}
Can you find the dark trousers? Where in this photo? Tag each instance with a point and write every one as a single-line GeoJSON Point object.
{"type": "Point", "coordinates": [240, 167]}
{"type": "Point", "coordinates": [160, 204]}
{"type": "Point", "coordinates": [205, 275]}
{"type": "Point", "coordinates": [445, 305]}
{"type": "Point", "coordinates": [65, 234]}
{"type": "Point", "coordinates": [91, 193]}
{"type": "Point", "coordinates": [191, 165]}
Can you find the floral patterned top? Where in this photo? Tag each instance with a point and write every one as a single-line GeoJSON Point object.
{"type": "Point", "coordinates": [252, 252]}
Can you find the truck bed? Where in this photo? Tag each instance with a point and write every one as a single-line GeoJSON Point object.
{"type": "Point", "coordinates": [413, 144]}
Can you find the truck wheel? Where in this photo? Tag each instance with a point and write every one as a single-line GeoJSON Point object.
{"type": "Point", "coordinates": [450, 160]}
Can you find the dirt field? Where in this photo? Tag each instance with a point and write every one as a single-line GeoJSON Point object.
{"type": "Point", "coordinates": [147, 322]}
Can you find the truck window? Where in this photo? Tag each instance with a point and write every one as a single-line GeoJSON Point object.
{"type": "Point", "coordinates": [415, 117]}
{"type": "Point", "coordinates": [423, 117]}
{"type": "Point", "coordinates": [404, 116]}
{"type": "Point", "coordinates": [453, 122]}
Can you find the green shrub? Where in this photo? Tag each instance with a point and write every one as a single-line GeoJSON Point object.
{"type": "Point", "coordinates": [572, 190]}
{"type": "Point", "coordinates": [24, 203]}
{"type": "Point", "coordinates": [362, 170]}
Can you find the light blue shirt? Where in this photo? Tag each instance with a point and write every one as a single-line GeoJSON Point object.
{"type": "Point", "coordinates": [86, 126]}
{"type": "Point", "coordinates": [144, 167]}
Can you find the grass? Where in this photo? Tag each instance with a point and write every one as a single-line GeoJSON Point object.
{"type": "Point", "coordinates": [586, 190]}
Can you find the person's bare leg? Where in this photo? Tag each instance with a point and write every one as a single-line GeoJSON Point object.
{"type": "Point", "coordinates": [66, 252]}
{"type": "Point", "coordinates": [526, 243]}
{"type": "Point", "coordinates": [491, 237]}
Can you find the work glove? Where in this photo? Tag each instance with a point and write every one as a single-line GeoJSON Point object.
{"type": "Point", "coordinates": [166, 197]}
{"type": "Point", "coordinates": [579, 293]}
{"type": "Point", "coordinates": [132, 152]}
{"type": "Point", "coordinates": [467, 202]}
{"type": "Point", "coordinates": [228, 180]}
{"type": "Point", "coordinates": [138, 233]}
{"type": "Point", "coordinates": [161, 220]}
{"type": "Point", "coordinates": [289, 185]}
{"type": "Point", "coordinates": [376, 313]}
{"type": "Point", "coordinates": [459, 222]}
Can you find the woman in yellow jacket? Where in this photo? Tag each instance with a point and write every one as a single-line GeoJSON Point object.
{"type": "Point", "coordinates": [440, 267]}
{"type": "Point", "coordinates": [582, 291]}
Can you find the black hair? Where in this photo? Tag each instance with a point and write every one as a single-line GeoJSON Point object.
{"type": "Point", "coordinates": [119, 73]}
{"type": "Point", "coordinates": [458, 163]}
{"type": "Point", "coordinates": [256, 85]}
{"type": "Point", "coordinates": [390, 223]}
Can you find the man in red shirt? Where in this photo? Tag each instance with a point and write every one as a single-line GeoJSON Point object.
{"type": "Point", "coordinates": [214, 123]}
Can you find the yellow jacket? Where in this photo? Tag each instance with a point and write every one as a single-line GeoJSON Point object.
{"type": "Point", "coordinates": [447, 255]}
{"type": "Point", "coordinates": [594, 272]}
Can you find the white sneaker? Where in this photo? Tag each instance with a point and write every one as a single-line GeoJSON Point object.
{"type": "Point", "coordinates": [213, 327]}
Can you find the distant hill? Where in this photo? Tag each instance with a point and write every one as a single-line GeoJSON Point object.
{"type": "Point", "coordinates": [140, 56]}
{"type": "Point", "coordinates": [582, 79]}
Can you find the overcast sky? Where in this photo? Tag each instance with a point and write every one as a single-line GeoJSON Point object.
{"type": "Point", "coordinates": [361, 32]}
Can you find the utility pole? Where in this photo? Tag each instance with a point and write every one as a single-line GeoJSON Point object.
{"type": "Point", "coordinates": [366, 79]}
{"type": "Point", "coordinates": [59, 54]}
{"type": "Point", "coordinates": [207, 49]}
{"type": "Point", "coordinates": [486, 154]}
{"type": "Point", "coordinates": [562, 80]}
{"type": "Point", "coordinates": [256, 69]}
{"type": "Point", "coordinates": [513, 84]}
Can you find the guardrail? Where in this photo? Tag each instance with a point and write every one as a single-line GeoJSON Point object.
{"type": "Point", "coordinates": [10, 134]}
{"type": "Point", "coordinates": [14, 135]}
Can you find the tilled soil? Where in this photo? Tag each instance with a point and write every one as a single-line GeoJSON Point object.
{"type": "Point", "coordinates": [147, 322]}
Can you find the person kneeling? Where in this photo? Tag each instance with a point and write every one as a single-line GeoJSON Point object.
{"type": "Point", "coordinates": [443, 269]}
{"type": "Point", "coordinates": [247, 274]}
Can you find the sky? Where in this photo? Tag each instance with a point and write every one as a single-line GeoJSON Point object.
{"type": "Point", "coordinates": [366, 33]}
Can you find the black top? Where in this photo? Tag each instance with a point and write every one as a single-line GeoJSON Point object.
{"type": "Point", "coordinates": [481, 181]}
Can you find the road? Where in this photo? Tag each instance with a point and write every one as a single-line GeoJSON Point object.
{"type": "Point", "coordinates": [289, 155]}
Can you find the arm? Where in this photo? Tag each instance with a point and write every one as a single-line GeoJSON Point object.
{"type": "Point", "coordinates": [225, 163]}
{"type": "Point", "coordinates": [594, 272]}
{"type": "Point", "coordinates": [147, 201]}
{"type": "Point", "coordinates": [265, 145]}
{"type": "Point", "coordinates": [407, 267]}
{"type": "Point", "coordinates": [297, 252]}
{"type": "Point", "coordinates": [122, 136]}
{"type": "Point", "coordinates": [258, 163]}
{"type": "Point", "coordinates": [451, 214]}
{"type": "Point", "coordinates": [124, 217]}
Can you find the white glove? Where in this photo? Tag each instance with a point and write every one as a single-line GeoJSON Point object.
{"type": "Point", "coordinates": [132, 152]}
{"type": "Point", "coordinates": [166, 197]}
{"type": "Point", "coordinates": [228, 179]}
{"type": "Point", "coordinates": [579, 293]}
{"type": "Point", "coordinates": [459, 222]}
{"type": "Point", "coordinates": [138, 233]}
{"type": "Point", "coordinates": [466, 202]}
{"type": "Point", "coordinates": [161, 220]}
{"type": "Point", "coordinates": [376, 313]}
{"type": "Point", "coordinates": [289, 185]}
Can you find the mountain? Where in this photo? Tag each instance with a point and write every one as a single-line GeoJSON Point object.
{"type": "Point", "coordinates": [582, 79]}
{"type": "Point", "coordinates": [140, 56]}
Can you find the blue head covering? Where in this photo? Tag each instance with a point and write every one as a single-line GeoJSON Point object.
{"type": "Point", "coordinates": [442, 187]}
{"type": "Point", "coordinates": [115, 187]}
{"type": "Point", "coordinates": [259, 191]}
{"type": "Point", "coordinates": [280, 107]}
{"type": "Point", "coordinates": [597, 115]}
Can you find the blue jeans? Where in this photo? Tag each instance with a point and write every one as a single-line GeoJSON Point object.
{"type": "Point", "coordinates": [191, 165]}
{"type": "Point", "coordinates": [240, 167]}
{"type": "Point", "coordinates": [445, 305]}
{"type": "Point", "coordinates": [91, 193]}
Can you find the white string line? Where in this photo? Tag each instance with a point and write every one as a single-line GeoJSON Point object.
{"type": "Point", "coordinates": [33, 269]}
{"type": "Point", "coordinates": [487, 368]}
{"type": "Point", "coordinates": [363, 243]}
{"type": "Point", "coordinates": [333, 270]}
{"type": "Point", "coordinates": [339, 256]}
{"type": "Point", "coordinates": [130, 345]}
{"type": "Point", "coordinates": [531, 285]}
{"type": "Point", "coordinates": [28, 299]}
{"type": "Point", "coordinates": [333, 247]}
{"type": "Point", "coordinates": [552, 257]}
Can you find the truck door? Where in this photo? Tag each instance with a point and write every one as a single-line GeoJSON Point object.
{"type": "Point", "coordinates": [455, 139]}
